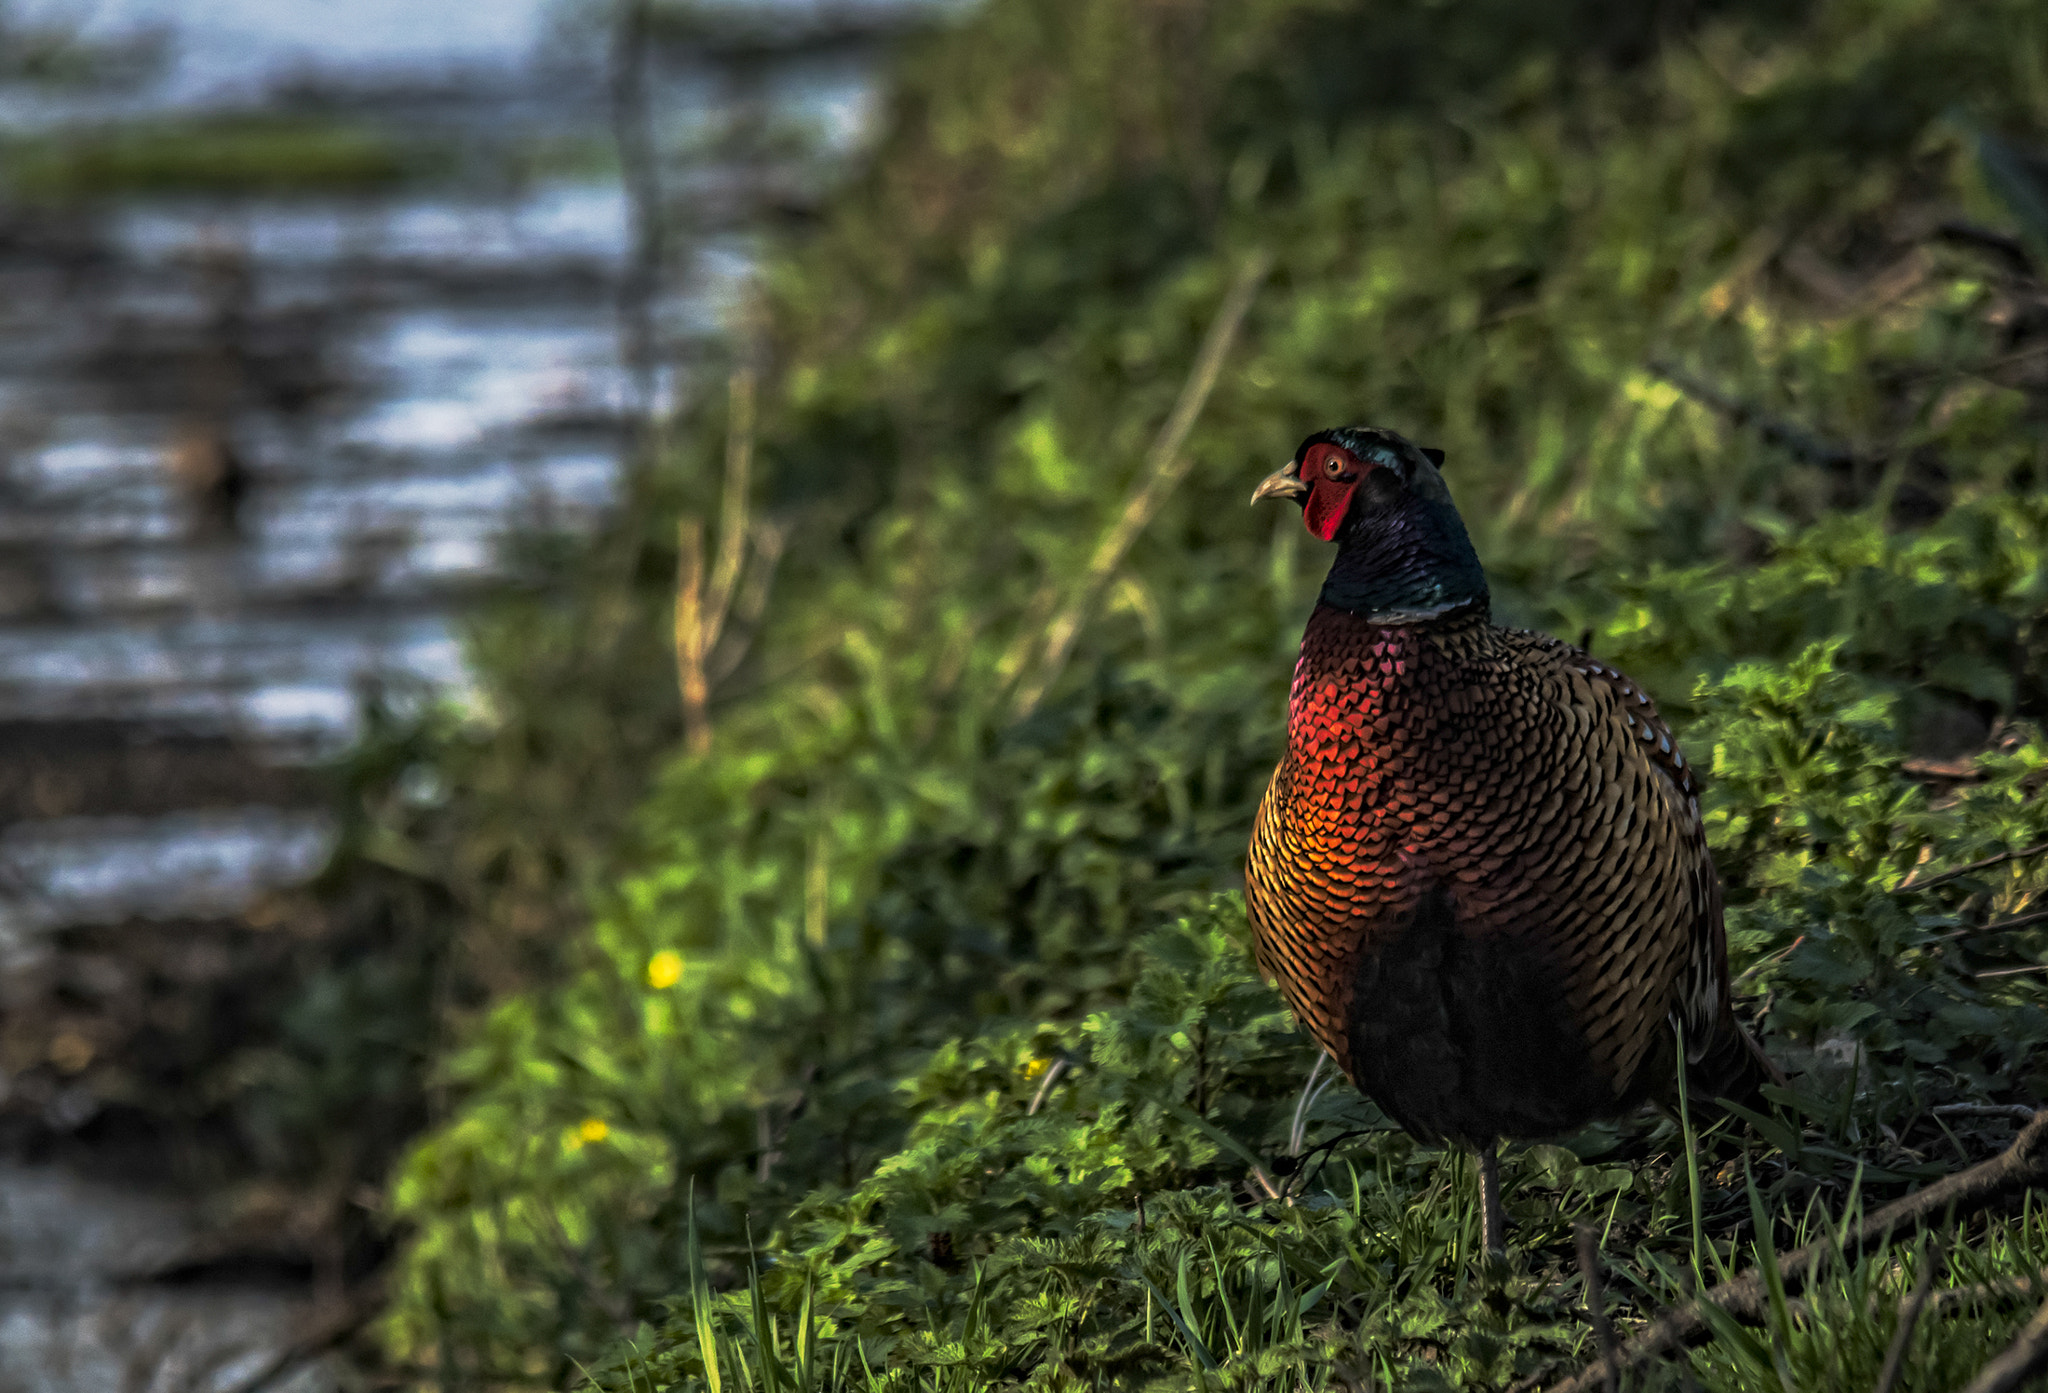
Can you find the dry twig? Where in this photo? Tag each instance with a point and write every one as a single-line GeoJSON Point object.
{"type": "Point", "coordinates": [732, 517]}
{"type": "Point", "coordinates": [1596, 1301]}
{"type": "Point", "coordinates": [702, 607]}
{"type": "Point", "coordinates": [1909, 883]}
{"type": "Point", "coordinates": [1165, 467]}
{"type": "Point", "coordinates": [695, 691]}
{"type": "Point", "coordinates": [2023, 1163]}
{"type": "Point", "coordinates": [1909, 1316]}
{"type": "Point", "coordinates": [1795, 439]}
{"type": "Point", "coordinates": [2018, 1112]}
{"type": "Point", "coordinates": [2018, 921]}
{"type": "Point", "coordinates": [2020, 1361]}
{"type": "Point", "coordinates": [2026, 1288]}
{"type": "Point", "coordinates": [1052, 1073]}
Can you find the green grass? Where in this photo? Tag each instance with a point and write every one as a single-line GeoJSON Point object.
{"type": "Point", "coordinates": [1077, 1257]}
{"type": "Point", "coordinates": [896, 898]}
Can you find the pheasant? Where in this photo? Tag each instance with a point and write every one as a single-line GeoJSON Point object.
{"type": "Point", "coordinates": [1479, 874]}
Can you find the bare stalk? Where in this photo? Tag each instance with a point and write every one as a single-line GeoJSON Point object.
{"type": "Point", "coordinates": [1795, 439]}
{"type": "Point", "coordinates": [769, 538]}
{"type": "Point", "coordinates": [2023, 1163]}
{"type": "Point", "coordinates": [1165, 467]}
{"type": "Point", "coordinates": [702, 608]}
{"type": "Point", "coordinates": [1909, 1316]}
{"type": "Point", "coordinates": [732, 518]}
{"type": "Point", "coordinates": [1596, 1300]}
{"type": "Point", "coordinates": [1909, 883]}
{"type": "Point", "coordinates": [696, 692]}
{"type": "Point", "coordinates": [2020, 1360]}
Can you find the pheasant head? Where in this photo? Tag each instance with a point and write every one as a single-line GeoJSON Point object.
{"type": "Point", "coordinates": [1402, 550]}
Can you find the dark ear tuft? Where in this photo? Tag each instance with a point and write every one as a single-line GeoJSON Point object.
{"type": "Point", "coordinates": [1434, 456]}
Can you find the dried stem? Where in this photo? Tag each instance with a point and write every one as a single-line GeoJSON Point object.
{"type": "Point", "coordinates": [2018, 921]}
{"type": "Point", "coordinates": [2019, 1362]}
{"type": "Point", "coordinates": [769, 538]}
{"type": "Point", "coordinates": [1909, 1316]}
{"type": "Point", "coordinates": [1493, 1221]}
{"type": "Point", "coordinates": [702, 608]}
{"type": "Point", "coordinates": [1596, 1301]}
{"type": "Point", "coordinates": [2009, 1289]}
{"type": "Point", "coordinates": [696, 692]}
{"type": "Point", "coordinates": [2018, 1112]}
{"type": "Point", "coordinates": [1165, 467]}
{"type": "Point", "coordinates": [1909, 883]}
{"type": "Point", "coordinates": [1794, 439]}
{"type": "Point", "coordinates": [2023, 1163]}
{"type": "Point", "coordinates": [1052, 1073]}
{"type": "Point", "coordinates": [732, 518]}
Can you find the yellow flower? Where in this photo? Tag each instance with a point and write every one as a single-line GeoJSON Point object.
{"type": "Point", "coordinates": [593, 1130]}
{"type": "Point", "coordinates": [1034, 1067]}
{"type": "Point", "coordinates": [664, 969]}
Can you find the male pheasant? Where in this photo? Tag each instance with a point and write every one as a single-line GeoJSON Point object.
{"type": "Point", "coordinates": [1479, 873]}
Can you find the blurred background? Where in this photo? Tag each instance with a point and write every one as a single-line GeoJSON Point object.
{"type": "Point", "coordinates": [318, 322]}
{"type": "Point", "coordinates": [588, 586]}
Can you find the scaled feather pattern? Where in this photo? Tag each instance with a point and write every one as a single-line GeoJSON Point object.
{"type": "Point", "coordinates": [1479, 874]}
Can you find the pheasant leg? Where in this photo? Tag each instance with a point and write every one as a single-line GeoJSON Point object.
{"type": "Point", "coordinates": [1493, 1224]}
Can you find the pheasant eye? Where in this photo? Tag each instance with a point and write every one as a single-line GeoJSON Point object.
{"type": "Point", "coordinates": [1333, 465]}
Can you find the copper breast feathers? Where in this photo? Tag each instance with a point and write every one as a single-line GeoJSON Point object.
{"type": "Point", "coordinates": [1480, 876]}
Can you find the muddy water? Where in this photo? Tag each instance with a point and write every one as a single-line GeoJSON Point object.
{"type": "Point", "coordinates": [256, 457]}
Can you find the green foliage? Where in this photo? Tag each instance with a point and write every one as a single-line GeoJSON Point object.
{"type": "Point", "coordinates": [1112, 1229]}
{"type": "Point", "coordinates": [787, 1069]}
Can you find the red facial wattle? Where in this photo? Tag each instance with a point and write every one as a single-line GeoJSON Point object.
{"type": "Point", "coordinates": [1329, 495]}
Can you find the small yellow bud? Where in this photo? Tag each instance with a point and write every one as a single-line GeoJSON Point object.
{"type": "Point", "coordinates": [593, 1130]}
{"type": "Point", "coordinates": [664, 969]}
{"type": "Point", "coordinates": [1035, 1067]}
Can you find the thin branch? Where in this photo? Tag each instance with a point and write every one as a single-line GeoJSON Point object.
{"type": "Point", "coordinates": [2018, 921]}
{"type": "Point", "coordinates": [1909, 1316]}
{"type": "Point", "coordinates": [2023, 1163]}
{"type": "Point", "coordinates": [1596, 1301]}
{"type": "Point", "coordinates": [1052, 1073]}
{"type": "Point", "coordinates": [702, 609]}
{"type": "Point", "coordinates": [2021, 1360]}
{"type": "Point", "coordinates": [1165, 467]}
{"type": "Point", "coordinates": [732, 519]}
{"type": "Point", "coordinates": [1795, 439]}
{"type": "Point", "coordinates": [1909, 883]}
{"type": "Point", "coordinates": [1265, 1183]}
{"type": "Point", "coordinates": [2010, 250]}
{"type": "Point", "coordinates": [689, 638]}
{"type": "Point", "coordinates": [1763, 963]}
{"type": "Point", "coordinates": [2018, 1112]}
{"type": "Point", "coordinates": [769, 539]}
{"type": "Point", "coordinates": [2008, 1289]}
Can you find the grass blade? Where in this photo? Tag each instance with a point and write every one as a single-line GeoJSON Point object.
{"type": "Point", "coordinates": [700, 1301]}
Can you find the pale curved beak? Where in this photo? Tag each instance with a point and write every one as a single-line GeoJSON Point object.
{"type": "Point", "coordinates": [1281, 483]}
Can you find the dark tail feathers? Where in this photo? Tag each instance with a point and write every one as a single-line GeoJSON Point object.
{"type": "Point", "coordinates": [1734, 1067]}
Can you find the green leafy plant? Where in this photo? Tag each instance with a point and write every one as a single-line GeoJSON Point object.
{"type": "Point", "coordinates": [1713, 395]}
